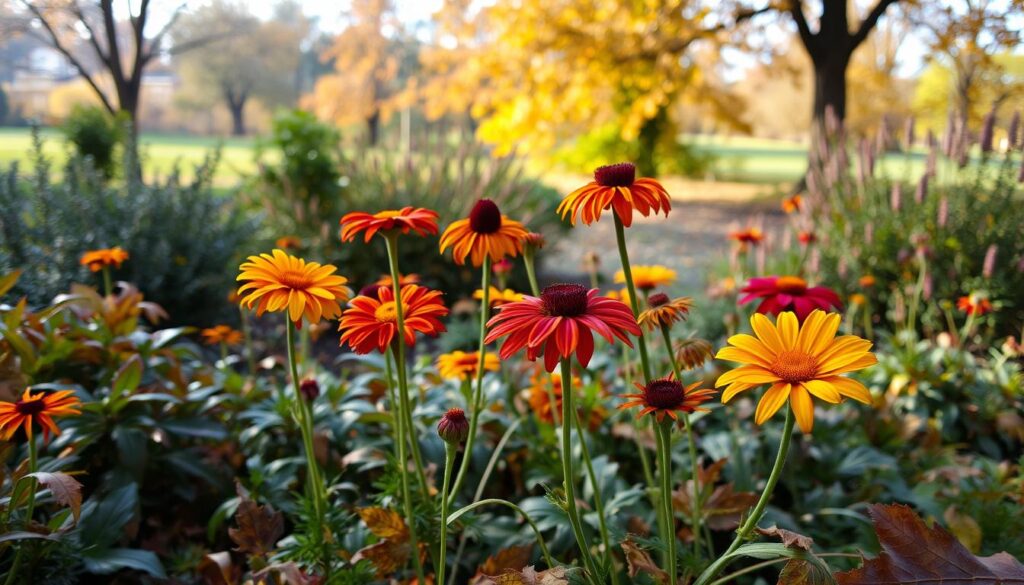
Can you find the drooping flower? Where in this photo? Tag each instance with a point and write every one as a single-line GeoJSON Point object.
{"type": "Point", "coordinates": [371, 323]}
{"type": "Point", "coordinates": [534, 240]}
{"type": "Point", "coordinates": [309, 389]}
{"type": "Point", "coordinates": [281, 282]}
{"type": "Point", "coordinates": [789, 293]}
{"type": "Point", "coordinates": [664, 311]}
{"type": "Point", "coordinates": [974, 304]}
{"type": "Point", "coordinates": [560, 322]}
{"type": "Point", "coordinates": [221, 334]}
{"type": "Point", "coordinates": [287, 242]}
{"type": "Point", "coordinates": [665, 396]}
{"type": "Point", "coordinates": [797, 361]}
{"type": "Point", "coordinates": [461, 365]}
{"type": "Point", "coordinates": [37, 409]}
{"type": "Point", "coordinates": [792, 204]}
{"type": "Point", "coordinates": [498, 297]}
{"type": "Point", "coordinates": [615, 187]}
{"type": "Point", "coordinates": [486, 232]}
{"type": "Point", "coordinates": [96, 260]}
{"type": "Point", "coordinates": [691, 353]}
{"type": "Point", "coordinates": [416, 219]}
{"type": "Point", "coordinates": [453, 428]}
{"type": "Point", "coordinates": [648, 277]}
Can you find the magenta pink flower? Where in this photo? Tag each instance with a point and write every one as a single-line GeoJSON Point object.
{"type": "Point", "coordinates": [789, 293]}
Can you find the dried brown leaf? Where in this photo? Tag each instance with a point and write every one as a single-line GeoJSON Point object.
{"type": "Point", "coordinates": [638, 561]}
{"type": "Point", "coordinates": [65, 489]}
{"type": "Point", "coordinates": [788, 537]}
{"type": "Point", "coordinates": [384, 523]}
{"type": "Point", "coordinates": [913, 553]}
{"type": "Point", "coordinates": [387, 555]}
{"type": "Point", "coordinates": [801, 572]}
{"type": "Point", "coordinates": [513, 557]}
{"type": "Point", "coordinates": [259, 527]}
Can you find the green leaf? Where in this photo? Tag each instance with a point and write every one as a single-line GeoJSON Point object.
{"type": "Point", "coordinates": [8, 281]}
{"type": "Point", "coordinates": [195, 427]}
{"type": "Point", "coordinates": [22, 535]}
{"type": "Point", "coordinates": [128, 376]}
{"type": "Point", "coordinates": [110, 560]}
{"type": "Point", "coordinates": [104, 517]}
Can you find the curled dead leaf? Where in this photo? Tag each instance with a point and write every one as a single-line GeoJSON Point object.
{"type": "Point", "coordinates": [65, 489]}
{"type": "Point", "coordinates": [639, 561]}
{"type": "Point", "coordinates": [259, 527]}
{"type": "Point", "coordinates": [789, 538]}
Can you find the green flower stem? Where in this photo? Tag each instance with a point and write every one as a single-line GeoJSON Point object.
{"type": "Point", "coordinates": [695, 504]}
{"type": "Point", "coordinates": [531, 273]}
{"type": "Point", "coordinates": [663, 430]}
{"type": "Point", "coordinates": [33, 465]}
{"type": "Point", "coordinates": [108, 286]}
{"type": "Point", "coordinates": [397, 432]}
{"type": "Point", "coordinates": [755, 516]}
{"type": "Point", "coordinates": [476, 405]}
{"type": "Point", "coordinates": [449, 462]}
{"type": "Point", "coordinates": [620, 238]}
{"type": "Point", "coordinates": [598, 501]}
{"type": "Point", "coordinates": [399, 350]}
{"type": "Point", "coordinates": [250, 355]}
{"type": "Point", "coordinates": [536, 531]}
{"type": "Point", "coordinates": [304, 416]}
{"type": "Point", "coordinates": [568, 417]}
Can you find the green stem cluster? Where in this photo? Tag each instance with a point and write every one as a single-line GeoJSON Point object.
{"type": "Point", "coordinates": [568, 418]}
{"type": "Point", "coordinates": [663, 432]}
{"type": "Point", "coordinates": [449, 462]}
{"type": "Point", "coordinates": [33, 466]}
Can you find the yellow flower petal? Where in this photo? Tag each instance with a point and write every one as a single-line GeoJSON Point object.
{"type": "Point", "coordinates": [851, 388]}
{"type": "Point", "coordinates": [770, 403]}
{"type": "Point", "coordinates": [823, 390]}
{"type": "Point", "coordinates": [803, 408]}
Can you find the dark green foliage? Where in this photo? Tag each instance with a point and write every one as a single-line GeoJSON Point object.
{"type": "Point", "coordinates": [183, 239]}
{"type": "Point", "coordinates": [94, 134]}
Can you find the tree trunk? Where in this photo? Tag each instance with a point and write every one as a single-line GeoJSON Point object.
{"type": "Point", "coordinates": [373, 128]}
{"type": "Point", "coordinates": [237, 117]}
{"type": "Point", "coordinates": [830, 88]}
{"type": "Point", "coordinates": [647, 142]}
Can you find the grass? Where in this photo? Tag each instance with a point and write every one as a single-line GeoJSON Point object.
{"type": "Point", "coordinates": [769, 164]}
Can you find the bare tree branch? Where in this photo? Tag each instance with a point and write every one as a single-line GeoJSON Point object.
{"type": "Point", "coordinates": [870, 21]}
{"type": "Point", "coordinates": [796, 10]}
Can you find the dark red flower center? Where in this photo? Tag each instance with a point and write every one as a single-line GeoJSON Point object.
{"type": "Point", "coordinates": [664, 394]}
{"type": "Point", "coordinates": [485, 217]}
{"type": "Point", "coordinates": [617, 175]}
{"type": "Point", "coordinates": [371, 290]}
{"type": "Point", "coordinates": [658, 300]}
{"type": "Point", "coordinates": [29, 407]}
{"type": "Point", "coordinates": [565, 300]}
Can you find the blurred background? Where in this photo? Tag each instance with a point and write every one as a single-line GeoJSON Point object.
{"type": "Point", "coordinates": [290, 113]}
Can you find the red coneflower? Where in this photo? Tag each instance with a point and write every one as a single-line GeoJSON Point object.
{"type": "Point", "coordinates": [792, 204]}
{"type": "Point", "coordinates": [486, 232]}
{"type": "Point", "coordinates": [750, 236]}
{"type": "Point", "coordinates": [559, 322]}
{"type": "Point", "coordinates": [807, 238]}
{"type": "Point", "coordinates": [665, 396]}
{"type": "Point", "coordinates": [789, 293]}
{"type": "Point", "coordinates": [36, 409]}
{"type": "Point", "coordinates": [422, 221]}
{"type": "Point", "coordinates": [974, 304]}
{"type": "Point", "coordinates": [371, 323]}
{"type": "Point", "coordinates": [615, 187]}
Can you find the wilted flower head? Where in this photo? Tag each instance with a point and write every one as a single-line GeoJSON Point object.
{"type": "Point", "coordinates": [534, 240]}
{"type": "Point", "coordinates": [453, 428]}
{"type": "Point", "coordinates": [692, 353]}
{"type": "Point", "coordinates": [663, 311]}
{"type": "Point", "coordinates": [309, 389]}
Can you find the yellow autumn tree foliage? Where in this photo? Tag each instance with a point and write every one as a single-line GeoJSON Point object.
{"type": "Point", "coordinates": [538, 72]}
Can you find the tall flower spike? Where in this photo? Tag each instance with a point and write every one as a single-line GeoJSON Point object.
{"type": "Point", "coordinates": [615, 187]}
{"type": "Point", "coordinates": [797, 362]}
{"type": "Point", "coordinates": [486, 232]}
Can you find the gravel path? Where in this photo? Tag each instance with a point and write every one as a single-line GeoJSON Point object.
{"type": "Point", "coordinates": [690, 240]}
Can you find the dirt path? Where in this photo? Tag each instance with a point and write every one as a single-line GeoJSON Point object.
{"type": "Point", "coordinates": [691, 239]}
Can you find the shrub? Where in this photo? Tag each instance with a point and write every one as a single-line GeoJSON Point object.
{"type": "Point", "coordinates": [441, 176]}
{"type": "Point", "coordinates": [183, 238]}
{"type": "Point", "coordinates": [94, 133]}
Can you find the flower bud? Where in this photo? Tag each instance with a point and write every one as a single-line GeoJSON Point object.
{"type": "Point", "coordinates": [453, 427]}
{"type": "Point", "coordinates": [309, 389]}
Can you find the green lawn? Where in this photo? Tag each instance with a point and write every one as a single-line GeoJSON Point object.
{"type": "Point", "coordinates": [161, 152]}
{"type": "Point", "coordinates": [736, 159]}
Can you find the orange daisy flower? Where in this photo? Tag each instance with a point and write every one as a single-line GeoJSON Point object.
{"type": "Point", "coordinates": [486, 232]}
{"type": "Point", "coordinates": [461, 365]}
{"type": "Point", "coordinates": [797, 361]}
{"type": "Point", "coordinates": [792, 204]}
{"type": "Point", "coordinates": [96, 260]}
{"type": "Point", "coordinates": [287, 242]}
{"type": "Point", "coordinates": [648, 277]}
{"type": "Point", "coordinates": [221, 334]}
{"type": "Point", "coordinates": [616, 187]}
{"type": "Point", "coordinates": [280, 282]}
{"type": "Point", "coordinates": [36, 409]}
{"type": "Point", "coordinates": [559, 322]}
{"type": "Point", "coordinates": [372, 323]}
{"type": "Point", "coordinates": [422, 221]}
{"type": "Point", "coordinates": [664, 311]}
{"type": "Point", "coordinates": [974, 304]}
{"type": "Point", "coordinates": [866, 281]}
{"type": "Point", "coordinates": [748, 236]}
{"type": "Point", "coordinates": [498, 297]}
{"type": "Point", "coordinates": [665, 396]}
{"type": "Point", "coordinates": [403, 279]}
